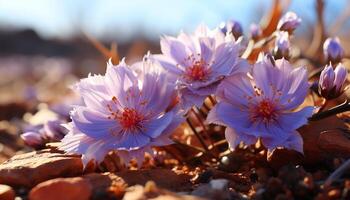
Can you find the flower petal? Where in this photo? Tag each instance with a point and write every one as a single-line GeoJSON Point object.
{"type": "Point", "coordinates": [234, 138]}
{"type": "Point", "coordinates": [175, 49]}
{"type": "Point", "coordinates": [155, 127]}
{"type": "Point", "coordinates": [293, 120]}
{"type": "Point", "coordinates": [91, 123]}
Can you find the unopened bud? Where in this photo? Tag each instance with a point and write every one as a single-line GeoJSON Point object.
{"type": "Point", "coordinates": [255, 31]}
{"type": "Point", "coordinates": [332, 50]}
{"type": "Point", "coordinates": [282, 45]}
{"type": "Point", "coordinates": [289, 22]}
{"type": "Point", "coordinates": [331, 83]}
{"type": "Point", "coordinates": [32, 139]}
{"type": "Point", "coordinates": [233, 27]}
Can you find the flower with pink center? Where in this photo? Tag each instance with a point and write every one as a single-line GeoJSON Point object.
{"type": "Point", "coordinates": [198, 62]}
{"type": "Point", "coordinates": [128, 110]}
{"type": "Point", "coordinates": [263, 105]}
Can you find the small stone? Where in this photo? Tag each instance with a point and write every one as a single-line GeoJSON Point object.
{"type": "Point", "coordinates": [62, 188]}
{"type": "Point", "coordinates": [335, 142]}
{"type": "Point", "coordinates": [291, 174]}
{"type": "Point", "coordinates": [151, 191]}
{"type": "Point", "coordinates": [334, 194]}
{"type": "Point", "coordinates": [90, 186]}
{"type": "Point", "coordinates": [205, 176]}
{"type": "Point", "coordinates": [164, 178]}
{"type": "Point", "coordinates": [219, 184]}
{"type": "Point", "coordinates": [274, 187]}
{"type": "Point", "coordinates": [32, 168]}
{"type": "Point", "coordinates": [6, 193]}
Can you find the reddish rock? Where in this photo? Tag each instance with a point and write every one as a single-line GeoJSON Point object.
{"type": "Point", "coordinates": [314, 152]}
{"type": "Point", "coordinates": [32, 168]}
{"type": "Point", "coordinates": [91, 186]}
{"type": "Point", "coordinates": [282, 157]}
{"type": "Point", "coordinates": [335, 142]}
{"type": "Point", "coordinates": [151, 191]}
{"type": "Point", "coordinates": [62, 188]}
{"type": "Point", "coordinates": [6, 193]}
{"type": "Point", "coordinates": [164, 178]}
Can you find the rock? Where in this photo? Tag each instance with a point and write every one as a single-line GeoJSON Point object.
{"type": "Point", "coordinates": [151, 191]}
{"type": "Point", "coordinates": [315, 149]}
{"type": "Point", "coordinates": [62, 188]}
{"type": "Point", "coordinates": [282, 157]}
{"type": "Point", "coordinates": [219, 184]}
{"type": "Point", "coordinates": [216, 189]}
{"type": "Point", "coordinates": [164, 178]}
{"type": "Point", "coordinates": [32, 168]}
{"type": "Point", "coordinates": [336, 142]}
{"type": "Point", "coordinates": [90, 186]}
{"type": "Point", "coordinates": [106, 186]}
{"type": "Point", "coordinates": [6, 193]}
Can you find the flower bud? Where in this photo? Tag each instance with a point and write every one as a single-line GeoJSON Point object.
{"type": "Point", "coordinates": [340, 77]}
{"type": "Point", "coordinates": [289, 22]}
{"type": "Point", "coordinates": [233, 27]}
{"type": "Point", "coordinates": [282, 45]}
{"type": "Point", "coordinates": [54, 131]}
{"type": "Point", "coordinates": [32, 139]}
{"type": "Point", "coordinates": [255, 31]}
{"type": "Point", "coordinates": [332, 50]}
{"type": "Point", "coordinates": [332, 81]}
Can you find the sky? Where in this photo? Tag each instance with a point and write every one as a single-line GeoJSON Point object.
{"type": "Point", "coordinates": [126, 19]}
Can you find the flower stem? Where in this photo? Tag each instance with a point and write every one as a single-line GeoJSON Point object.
{"type": "Point", "coordinates": [323, 106]}
{"type": "Point", "coordinates": [212, 100]}
{"type": "Point", "coordinates": [201, 140]}
{"type": "Point", "coordinates": [333, 111]}
{"type": "Point", "coordinates": [337, 173]}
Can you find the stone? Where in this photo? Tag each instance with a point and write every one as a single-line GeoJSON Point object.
{"type": "Point", "coordinates": [62, 188]}
{"type": "Point", "coordinates": [164, 178]}
{"type": "Point", "coordinates": [219, 184]}
{"type": "Point", "coordinates": [6, 192]}
{"type": "Point", "coordinates": [315, 149]}
{"type": "Point", "coordinates": [335, 142]}
{"type": "Point", "coordinates": [90, 186]}
{"type": "Point", "coordinates": [151, 191]}
{"type": "Point", "coordinates": [32, 168]}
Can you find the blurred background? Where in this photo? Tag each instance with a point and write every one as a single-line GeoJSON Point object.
{"type": "Point", "coordinates": [45, 45]}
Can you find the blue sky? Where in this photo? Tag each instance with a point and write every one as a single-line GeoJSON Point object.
{"type": "Point", "coordinates": [124, 19]}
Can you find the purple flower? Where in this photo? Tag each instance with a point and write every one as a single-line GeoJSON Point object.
{"type": "Point", "coordinates": [38, 135]}
{"type": "Point", "coordinates": [331, 84]}
{"type": "Point", "coordinates": [33, 139]}
{"type": "Point", "coordinates": [289, 22]}
{"type": "Point", "coordinates": [332, 50]}
{"type": "Point", "coordinates": [282, 45]}
{"type": "Point", "coordinates": [255, 31]}
{"type": "Point", "coordinates": [263, 106]}
{"type": "Point", "coordinates": [128, 110]}
{"type": "Point", "coordinates": [198, 62]}
{"type": "Point", "coordinates": [233, 27]}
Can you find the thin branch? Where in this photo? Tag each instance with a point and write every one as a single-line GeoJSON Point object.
{"type": "Point", "coordinates": [337, 173]}
{"type": "Point", "coordinates": [201, 140]}
{"type": "Point", "coordinates": [333, 111]}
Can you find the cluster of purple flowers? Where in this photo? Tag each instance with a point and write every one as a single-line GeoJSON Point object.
{"type": "Point", "coordinates": [130, 109]}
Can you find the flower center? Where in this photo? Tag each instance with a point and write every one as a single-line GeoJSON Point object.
{"type": "Point", "coordinates": [198, 71]}
{"type": "Point", "coordinates": [129, 119]}
{"type": "Point", "coordinates": [265, 110]}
